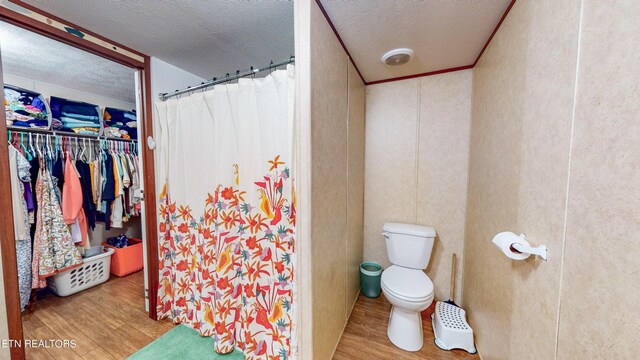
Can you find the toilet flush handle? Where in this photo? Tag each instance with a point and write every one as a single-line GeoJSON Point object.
{"type": "Point", "coordinates": [385, 234]}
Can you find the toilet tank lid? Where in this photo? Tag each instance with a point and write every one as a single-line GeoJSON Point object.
{"type": "Point", "coordinates": [409, 229]}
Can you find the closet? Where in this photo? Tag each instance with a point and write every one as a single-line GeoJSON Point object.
{"type": "Point", "coordinates": [76, 178]}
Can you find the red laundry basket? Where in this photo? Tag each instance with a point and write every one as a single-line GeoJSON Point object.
{"type": "Point", "coordinates": [126, 260]}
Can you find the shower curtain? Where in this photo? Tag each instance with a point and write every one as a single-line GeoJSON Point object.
{"type": "Point", "coordinates": [228, 214]}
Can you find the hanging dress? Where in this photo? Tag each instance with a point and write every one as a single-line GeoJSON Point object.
{"type": "Point", "coordinates": [19, 169]}
{"type": "Point", "coordinates": [54, 250]}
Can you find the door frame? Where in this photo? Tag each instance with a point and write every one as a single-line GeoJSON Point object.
{"type": "Point", "coordinates": [18, 13]}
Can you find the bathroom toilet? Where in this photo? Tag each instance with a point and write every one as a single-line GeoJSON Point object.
{"type": "Point", "coordinates": [404, 283]}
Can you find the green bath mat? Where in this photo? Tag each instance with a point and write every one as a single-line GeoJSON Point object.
{"type": "Point", "coordinates": [183, 343]}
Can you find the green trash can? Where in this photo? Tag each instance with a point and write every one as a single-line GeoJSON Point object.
{"type": "Point", "coordinates": [370, 274]}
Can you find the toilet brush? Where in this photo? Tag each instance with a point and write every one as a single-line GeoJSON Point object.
{"type": "Point", "coordinates": [452, 290]}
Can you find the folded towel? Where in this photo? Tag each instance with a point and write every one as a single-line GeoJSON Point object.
{"type": "Point", "coordinates": [79, 109]}
{"type": "Point", "coordinates": [70, 122]}
{"type": "Point", "coordinates": [113, 131]}
{"type": "Point", "coordinates": [31, 123]}
{"type": "Point", "coordinates": [56, 124]}
{"type": "Point", "coordinates": [80, 116]}
{"type": "Point", "coordinates": [39, 104]}
{"type": "Point", "coordinates": [85, 130]}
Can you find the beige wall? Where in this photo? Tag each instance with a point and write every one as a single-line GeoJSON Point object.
{"type": "Point", "coordinates": [355, 186]}
{"type": "Point", "coordinates": [521, 128]}
{"type": "Point", "coordinates": [417, 147]}
{"type": "Point", "coordinates": [525, 138]}
{"type": "Point", "coordinates": [337, 170]}
{"type": "Point", "coordinates": [600, 293]}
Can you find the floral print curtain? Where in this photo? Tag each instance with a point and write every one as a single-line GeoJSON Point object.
{"type": "Point", "coordinates": [227, 229]}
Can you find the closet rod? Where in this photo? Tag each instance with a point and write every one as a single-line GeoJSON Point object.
{"type": "Point", "coordinates": [227, 78]}
{"type": "Point", "coordinates": [63, 133]}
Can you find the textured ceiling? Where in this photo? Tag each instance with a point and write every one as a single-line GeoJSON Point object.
{"type": "Point", "coordinates": [443, 33]}
{"type": "Point", "coordinates": [37, 57]}
{"type": "Point", "coordinates": [206, 38]}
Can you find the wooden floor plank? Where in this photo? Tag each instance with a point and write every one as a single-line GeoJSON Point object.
{"type": "Point", "coordinates": [66, 330]}
{"type": "Point", "coordinates": [365, 337]}
{"type": "Point", "coordinates": [34, 354]}
{"type": "Point", "coordinates": [98, 354]}
{"type": "Point", "coordinates": [107, 321]}
{"type": "Point", "coordinates": [46, 334]}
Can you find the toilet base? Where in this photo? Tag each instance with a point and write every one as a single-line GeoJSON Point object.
{"type": "Point", "coordinates": [405, 329]}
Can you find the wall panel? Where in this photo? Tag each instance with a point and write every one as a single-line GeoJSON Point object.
{"type": "Point", "coordinates": [417, 150]}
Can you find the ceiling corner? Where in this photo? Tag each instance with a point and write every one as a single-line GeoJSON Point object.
{"type": "Point", "coordinates": [429, 73]}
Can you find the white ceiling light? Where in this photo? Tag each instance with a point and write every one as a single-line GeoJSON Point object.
{"type": "Point", "coordinates": [397, 57]}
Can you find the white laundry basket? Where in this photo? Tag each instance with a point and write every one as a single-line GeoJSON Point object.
{"type": "Point", "coordinates": [94, 271]}
{"type": "Point", "coordinates": [451, 329]}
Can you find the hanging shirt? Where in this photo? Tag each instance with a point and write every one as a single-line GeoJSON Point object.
{"type": "Point", "coordinates": [92, 171]}
{"type": "Point", "coordinates": [98, 174]}
{"type": "Point", "coordinates": [57, 173]}
{"type": "Point", "coordinates": [116, 211]}
{"type": "Point", "coordinates": [87, 191]}
{"type": "Point", "coordinates": [108, 191]}
{"type": "Point", "coordinates": [72, 210]}
{"type": "Point", "coordinates": [126, 178]}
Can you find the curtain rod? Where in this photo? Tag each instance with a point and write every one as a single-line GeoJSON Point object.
{"type": "Point", "coordinates": [19, 129]}
{"type": "Point", "coordinates": [216, 81]}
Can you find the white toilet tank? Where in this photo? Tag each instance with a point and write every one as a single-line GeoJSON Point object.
{"type": "Point", "coordinates": [409, 245]}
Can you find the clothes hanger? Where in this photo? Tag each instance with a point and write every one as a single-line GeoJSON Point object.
{"type": "Point", "coordinates": [84, 144]}
{"type": "Point", "coordinates": [64, 147]}
{"type": "Point", "coordinates": [45, 149]}
{"type": "Point", "coordinates": [24, 147]}
{"type": "Point", "coordinates": [38, 147]}
{"type": "Point", "coordinates": [77, 157]}
{"type": "Point", "coordinates": [52, 153]}
{"type": "Point", "coordinates": [33, 150]}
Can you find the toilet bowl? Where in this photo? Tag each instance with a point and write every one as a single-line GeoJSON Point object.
{"type": "Point", "coordinates": [409, 291]}
{"type": "Point", "coordinates": [404, 283]}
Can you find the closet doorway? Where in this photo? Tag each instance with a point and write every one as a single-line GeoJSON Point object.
{"type": "Point", "coordinates": [77, 250]}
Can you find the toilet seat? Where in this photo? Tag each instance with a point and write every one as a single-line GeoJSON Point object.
{"type": "Point", "coordinates": [410, 285]}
